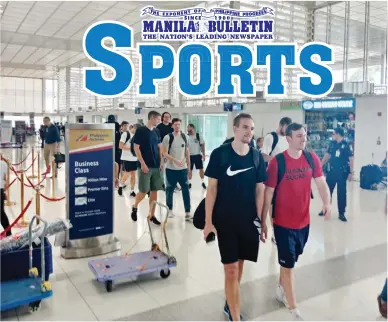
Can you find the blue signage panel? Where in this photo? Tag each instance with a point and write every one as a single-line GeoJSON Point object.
{"type": "Point", "coordinates": [90, 182]}
{"type": "Point", "coordinates": [339, 104]}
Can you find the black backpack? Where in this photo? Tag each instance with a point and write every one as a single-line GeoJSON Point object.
{"type": "Point", "coordinates": [171, 137]}
{"type": "Point", "coordinates": [370, 176]}
{"type": "Point", "coordinates": [200, 212]}
{"type": "Point", "coordinates": [281, 160]}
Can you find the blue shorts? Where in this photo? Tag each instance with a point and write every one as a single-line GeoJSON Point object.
{"type": "Point", "coordinates": [290, 244]}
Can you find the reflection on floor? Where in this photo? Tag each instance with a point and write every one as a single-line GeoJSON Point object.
{"type": "Point", "coordinates": [338, 277]}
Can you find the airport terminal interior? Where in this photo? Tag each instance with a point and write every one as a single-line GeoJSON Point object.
{"type": "Point", "coordinates": [340, 275]}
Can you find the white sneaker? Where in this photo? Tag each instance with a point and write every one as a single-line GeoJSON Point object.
{"type": "Point", "coordinates": [171, 214]}
{"type": "Point", "coordinates": [296, 315]}
{"type": "Point", "coordinates": [280, 296]}
{"type": "Point", "coordinates": [188, 217]}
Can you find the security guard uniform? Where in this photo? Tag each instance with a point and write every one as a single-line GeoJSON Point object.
{"type": "Point", "coordinates": [338, 172]}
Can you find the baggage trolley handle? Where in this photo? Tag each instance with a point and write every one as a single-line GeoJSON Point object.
{"type": "Point", "coordinates": [33, 271]}
{"type": "Point", "coordinates": [154, 203]}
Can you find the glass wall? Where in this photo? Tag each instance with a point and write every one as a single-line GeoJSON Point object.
{"type": "Point", "coordinates": [351, 62]}
{"type": "Point", "coordinates": [213, 128]}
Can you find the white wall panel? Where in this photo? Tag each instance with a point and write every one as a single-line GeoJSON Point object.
{"type": "Point", "coordinates": [21, 95]}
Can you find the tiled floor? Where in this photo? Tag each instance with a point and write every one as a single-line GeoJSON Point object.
{"type": "Point", "coordinates": [338, 277]}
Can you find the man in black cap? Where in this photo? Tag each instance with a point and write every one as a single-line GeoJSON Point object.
{"type": "Point", "coordinates": [340, 168]}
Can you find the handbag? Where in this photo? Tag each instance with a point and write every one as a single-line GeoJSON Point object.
{"type": "Point", "coordinates": [60, 158]}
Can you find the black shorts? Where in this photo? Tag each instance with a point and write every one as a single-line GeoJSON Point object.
{"type": "Point", "coordinates": [197, 161]}
{"type": "Point", "coordinates": [129, 166]}
{"type": "Point", "coordinates": [239, 242]}
{"type": "Point", "coordinates": [290, 244]}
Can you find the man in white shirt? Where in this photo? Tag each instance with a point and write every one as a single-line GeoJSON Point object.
{"type": "Point", "coordinates": [197, 153]}
{"type": "Point", "coordinates": [175, 149]}
{"type": "Point", "coordinates": [3, 180]}
{"type": "Point", "coordinates": [275, 143]}
{"type": "Point", "coordinates": [128, 158]}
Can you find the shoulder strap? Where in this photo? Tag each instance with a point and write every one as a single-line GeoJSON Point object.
{"type": "Point", "coordinates": [225, 154]}
{"type": "Point", "coordinates": [275, 141]}
{"type": "Point", "coordinates": [184, 138]}
{"type": "Point", "coordinates": [309, 159]}
{"type": "Point", "coordinates": [171, 139]}
{"type": "Point", "coordinates": [281, 160]}
{"type": "Point", "coordinates": [128, 137]}
{"type": "Point", "coordinates": [256, 157]}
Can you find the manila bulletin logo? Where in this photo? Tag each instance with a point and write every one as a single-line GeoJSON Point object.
{"type": "Point", "coordinates": [207, 25]}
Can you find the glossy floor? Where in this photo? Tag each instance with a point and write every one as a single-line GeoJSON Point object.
{"type": "Point", "coordinates": [338, 277]}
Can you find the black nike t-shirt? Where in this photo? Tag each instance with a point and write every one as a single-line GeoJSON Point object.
{"type": "Point", "coordinates": [237, 178]}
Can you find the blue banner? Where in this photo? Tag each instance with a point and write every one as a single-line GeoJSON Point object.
{"type": "Point", "coordinates": [342, 104]}
{"type": "Point", "coordinates": [90, 183]}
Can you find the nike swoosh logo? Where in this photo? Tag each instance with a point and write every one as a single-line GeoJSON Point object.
{"type": "Point", "coordinates": [231, 173]}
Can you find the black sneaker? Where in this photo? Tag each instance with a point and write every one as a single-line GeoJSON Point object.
{"type": "Point", "coordinates": [134, 214]}
{"type": "Point", "coordinates": [228, 314]}
{"type": "Point", "coordinates": [133, 194]}
{"type": "Point", "coordinates": [342, 217]}
{"type": "Point", "coordinates": [148, 194]}
{"type": "Point", "coordinates": [189, 185]}
{"type": "Point", "coordinates": [321, 214]}
{"type": "Point", "coordinates": [155, 221]}
{"type": "Point", "coordinates": [203, 185]}
{"type": "Point", "coordinates": [120, 191]}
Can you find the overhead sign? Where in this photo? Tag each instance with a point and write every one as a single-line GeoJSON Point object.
{"type": "Point", "coordinates": [343, 104]}
{"type": "Point", "coordinates": [290, 105]}
{"type": "Point", "coordinates": [90, 180]}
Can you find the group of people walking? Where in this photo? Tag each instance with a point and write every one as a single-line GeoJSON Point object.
{"type": "Point", "coordinates": [163, 157]}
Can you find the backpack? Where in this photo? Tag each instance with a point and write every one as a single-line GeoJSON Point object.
{"type": "Point", "coordinates": [281, 160]}
{"type": "Point", "coordinates": [171, 137]}
{"type": "Point", "coordinates": [200, 212]}
{"type": "Point", "coordinates": [370, 176]}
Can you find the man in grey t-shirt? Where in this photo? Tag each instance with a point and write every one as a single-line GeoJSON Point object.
{"type": "Point", "coordinates": [176, 151]}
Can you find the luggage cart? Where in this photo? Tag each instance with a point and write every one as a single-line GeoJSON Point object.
{"type": "Point", "coordinates": [31, 290]}
{"type": "Point", "coordinates": [108, 269]}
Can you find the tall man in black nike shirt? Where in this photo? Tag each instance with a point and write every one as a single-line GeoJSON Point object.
{"type": "Point", "coordinates": [234, 203]}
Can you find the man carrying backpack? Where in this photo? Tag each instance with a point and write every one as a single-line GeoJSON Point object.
{"type": "Point", "coordinates": [288, 188]}
{"type": "Point", "coordinates": [234, 202]}
{"type": "Point", "coordinates": [340, 169]}
{"type": "Point", "coordinates": [176, 151]}
{"type": "Point", "coordinates": [128, 158]}
{"type": "Point", "coordinates": [197, 153]}
{"type": "Point", "coordinates": [275, 143]}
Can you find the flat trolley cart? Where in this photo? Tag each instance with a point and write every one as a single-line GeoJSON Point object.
{"type": "Point", "coordinates": [32, 289]}
{"type": "Point", "coordinates": [109, 269]}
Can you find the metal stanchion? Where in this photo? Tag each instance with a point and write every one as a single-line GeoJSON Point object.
{"type": "Point", "coordinates": [53, 172]}
{"type": "Point", "coordinates": [9, 202]}
{"type": "Point", "coordinates": [33, 176]}
{"type": "Point", "coordinates": [23, 223]}
{"type": "Point", "coordinates": [41, 186]}
{"type": "Point", "coordinates": [37, 204]}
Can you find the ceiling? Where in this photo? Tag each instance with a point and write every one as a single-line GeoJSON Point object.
{"type": "Point", "coordinates": [38, 37]}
